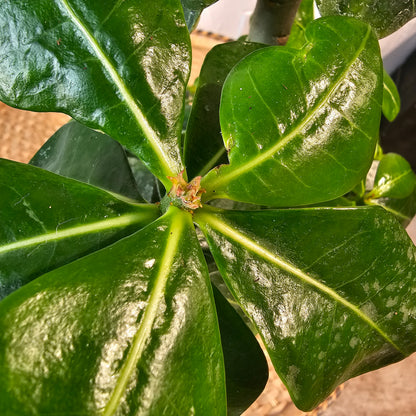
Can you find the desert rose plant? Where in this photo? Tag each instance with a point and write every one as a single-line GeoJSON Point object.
{"type": "Point", "coordinates": [141, 250]}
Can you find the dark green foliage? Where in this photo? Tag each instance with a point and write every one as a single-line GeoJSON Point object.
{"type": "Point", "coordinates": [108, 306]}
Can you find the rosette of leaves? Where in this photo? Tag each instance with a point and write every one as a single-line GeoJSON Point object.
{"type": "Point", "coordinates": [108, 307]}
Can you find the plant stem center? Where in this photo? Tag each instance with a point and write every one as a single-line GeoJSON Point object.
{"type": "Point", "coordinates": [184, 195]}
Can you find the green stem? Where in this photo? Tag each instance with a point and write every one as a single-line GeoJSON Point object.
{"type": "Point", "coordinates": [272, 20]}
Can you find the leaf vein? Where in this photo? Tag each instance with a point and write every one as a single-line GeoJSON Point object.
{"type": "Point", "coordinates": [165, 159]}
{"type": "Point", "coordinates": [253, 246]}
{"type": "Point", "coordinates": [259, 159]}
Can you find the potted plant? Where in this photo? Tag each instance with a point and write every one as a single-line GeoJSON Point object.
{"type": "Point", "coordinates": [141, 248]}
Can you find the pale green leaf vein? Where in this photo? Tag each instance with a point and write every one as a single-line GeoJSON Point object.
{"type": "Point", "coordinates": [165, 159]}
{"type": "Point", "coordinates": [93, 227]}
{"type": "Point", "coordinates": [256, 248]}
{"type": "Point", "coordinates": [391, 94]}
{"type": "Point", "coordinates": [146, 324]}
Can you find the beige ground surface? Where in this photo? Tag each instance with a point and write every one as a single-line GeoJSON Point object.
{"type": "Point", "coordinates": [387, 392]}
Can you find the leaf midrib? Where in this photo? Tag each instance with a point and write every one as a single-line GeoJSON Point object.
{"type": "Point", "coordinates": [143, 333]}
{"type": "Point", "coordinates": [379, 190]}
{"type": "Point", "coordinates": [93, 227]}
{"type": "Point", "coordinates": [225, 229]}
{"type": "Point", "coordinates": [248, 165]}
{"type": "Point", "coordinates": [166, 162]}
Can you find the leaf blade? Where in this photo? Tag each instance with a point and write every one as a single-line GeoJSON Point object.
{"type": "Point", "coordinates": [101, 65]}
{"type": "Point", "coordinates": [48, 221]}
{"type": "Point", "coordinates": [295, 119]}
{"type": "Point", "coordinates": [385, 16]}
{"type": "Point", "coordinates": [318, 341]}
{"type": "Point", "coordinates": [204, 129]}
{"type": "Point", "coordinates": [77, 152]}
{"type": "Point", "coordinates": [246, 369]}
{"type": "Point", "coordinates": [141, 313]}
{"type": "Point", "coordinates": [391, 98]}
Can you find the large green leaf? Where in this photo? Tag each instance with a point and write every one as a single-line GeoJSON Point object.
{"type": "Point", "coordinates": [327, 292]}
{"type": "Point", "coordinates": [117, 66]}
{"type": "Point", "coordinates": [128, 330]}
{"type": "Point", "coordinates": [47, 220]}
{"type": "Point", "coordinates": [77, 152]}
{"type": "Point", "coordinates": [246, 367]}
{"type": "Point", "coordinates": [203, 130]}
{"type": "Point", "coordinates": [193, 9]}
{"type": "Point", "coordinates": [385, 16]}
{"type": "Point", "coordinates": [286, 113]}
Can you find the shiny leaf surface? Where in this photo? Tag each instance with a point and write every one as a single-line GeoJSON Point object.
{"type": "Point", "coordinates": [192, 10]}
{"type": "Point", "coordinates": [204, 147]}
{"type": "Point", "coordinates": [321, 114]}
{"type": "Point", "coordinates": [394, 188]}
{"type": "Point", "coordinates": [246, 367]}
{"type": "Point", "coordinates": [47, 220]}
{"type": "Point", "coordinates": [128, 330]}
{"type": "Point", "coordinates": [77, 152]}
{"type": "Point", "coordinates": [120, 67]}
{"type": "Point", "coordinates": [331, 291]}
{"type": "Point", "coordinates": [391, 98]}
{"type": "Point", "coordinates": [303, 17]}
{"type": "Point", "coordinates": [386, 16]}
{"type": "Point", "coordinates": [394, 177]}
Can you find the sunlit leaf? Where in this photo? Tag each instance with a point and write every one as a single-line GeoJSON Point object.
{"type": "Point", "coordinates": [394, 188]}
{"type": "Point", "coordinates": [304, 16]}
{"type": "Point", "coordinates": [117, 66]}
{"type": "Point", "coordinates": [326, 291]}
{"type": "Point", "coordinates": [394, 178]}
{"type": "Point", "coordinates": [301, 126]}
{"type": "Point", "coordinates": [130, 329]}
{"type": "Point", "coordinates": [47, 220]}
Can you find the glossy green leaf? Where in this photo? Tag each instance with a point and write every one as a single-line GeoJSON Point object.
{"type": "Point", "coordinates": [117, 66]}
{"type": "Point", "coordinates": [77, 152]}
{"type": "Point", "coordinates": [331, 291]}
{"type": "Point", "coordinates": [304, 16]}
{"type": "Point", "coordinates": [286, 113]}
{"type": "Point", "coordinates": [204, 131]}
{"type": "Point", "coordinates": [246, 367]}
{"type": "Point", "coordinates": [391, 98]}
{"type": "Point", "coordinates": [130, 329]}
{"type": "Point", "coordinates": [386, 16]}
{"type": "Point", "coordinates": [394, 178]}
{"type": "Point", "coordinates": [394, 188]}
{"type": "Point", "coordinates": [47, 220]}
{"type": "Point", "coordinates": [193, 9]}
